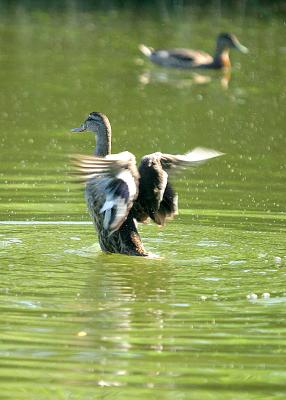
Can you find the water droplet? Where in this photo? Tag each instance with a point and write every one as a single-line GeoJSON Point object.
{"type": "Point", "coordinates": [252, 296]}
{"type": "Point", "coordinates": [81, 334]}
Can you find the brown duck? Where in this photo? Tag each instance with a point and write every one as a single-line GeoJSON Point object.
{"type": "Point", "coordinates": [193, 59]}
{"type": "Point", "coordinates": [119, 194]}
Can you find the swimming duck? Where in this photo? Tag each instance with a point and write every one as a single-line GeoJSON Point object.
{"type": "Point", "coordinates": [119, 194]}
{"type": "Point", "coordinates": [187, 58]}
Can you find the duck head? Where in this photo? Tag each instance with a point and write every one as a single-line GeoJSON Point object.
{"type": "Point", "coordinates": [93, 123]}
{"type": "Point", "coordinates": [99, 124]}
{"type": "Point", "coordinates": [227, 41]}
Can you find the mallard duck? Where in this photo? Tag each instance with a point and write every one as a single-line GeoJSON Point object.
{"type": "Point", "coordinates": [187, 58]}
{"type": "Point", "coordinates": [119, 194]}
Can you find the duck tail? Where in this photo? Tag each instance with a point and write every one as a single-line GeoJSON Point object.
{"type": "Point", "coordinates": [147, 51]}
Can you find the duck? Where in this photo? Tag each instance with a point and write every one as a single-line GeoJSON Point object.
{"type": "Point", "coordinates": [119, 194]}
{"type": "Point", "coordinates": [195, 59]}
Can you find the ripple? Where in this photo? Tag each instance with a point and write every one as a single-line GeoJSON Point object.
{"type": "Point", "coordinates": [9, 242]}
{"type": "Point", "coordinates": [45, 223]}
{"type": "Point", "coordinates": [212, 243]}
{"type": "Point", "coordinates": [85, 251]}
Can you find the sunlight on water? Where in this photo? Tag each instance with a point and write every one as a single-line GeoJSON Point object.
{"type": "Point", "coordinates": [206, 318]}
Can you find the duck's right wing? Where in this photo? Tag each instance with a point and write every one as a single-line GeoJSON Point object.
{"type": "Point", "coordinates": [112, 185]}
{"type": "Point", "coordinates": [179, 57]}
{"type": "Point", "coordinates": [192, 57]}
{"type": "Point", "coordinates": [195, 56]}
{"type": "Point", "coordinates": [157, 199]}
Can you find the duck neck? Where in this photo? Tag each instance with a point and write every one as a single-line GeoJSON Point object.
{"type": "Point", "coordinates": [221, 57]}
{"type": "Point", "coordinates": [103, 140]}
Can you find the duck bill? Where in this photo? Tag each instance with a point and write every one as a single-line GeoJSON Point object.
{"type": "Point", "coordinates": [82, 128]}
{"type": "Point", "coordinates": [241, 48]}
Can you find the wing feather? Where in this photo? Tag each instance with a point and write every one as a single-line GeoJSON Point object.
{"type": "Point", "coordinates": [185, 56]}
{"type": "Point", "coordinates": [111, 186]}
{"type": "Point", "coordinates": [157, 198]}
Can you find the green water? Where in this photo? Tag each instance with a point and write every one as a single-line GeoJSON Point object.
{"type": "Point", "coordinates": [79, 324]}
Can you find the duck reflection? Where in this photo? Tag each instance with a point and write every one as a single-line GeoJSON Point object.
{"type": "Point", "coordinates": [183, 81]}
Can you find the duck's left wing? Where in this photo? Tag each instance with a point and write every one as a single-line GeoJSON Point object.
{"type": "Point", "coordinates": [113, 182]}
{"type": "Point", "coordinates": [157, 199]}
{"type": "Point", "coordinates": [193, 158]}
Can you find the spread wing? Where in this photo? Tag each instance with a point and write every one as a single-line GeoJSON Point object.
{"type": "Point", "coordinates": [111, 186]}
{"type": "Point", "coordinates": [157, 199]}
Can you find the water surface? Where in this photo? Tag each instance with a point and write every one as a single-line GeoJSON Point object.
{"type": "Point", "coordinates": [78, 324]}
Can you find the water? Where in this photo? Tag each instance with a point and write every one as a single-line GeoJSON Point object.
{"type": "Point", "coordinates": [78, 324]}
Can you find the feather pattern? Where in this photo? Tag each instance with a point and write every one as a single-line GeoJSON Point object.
{"type": "Point", "coordinates": [157, 198]}
{"type": "Point", "coordinates": [113, 180]}
{"type": "Point", "coordinates": [189, 58]}
{"type": "Point", "coordinates": [178, 57]}
{"type": "Point", "coordinates": [182, 58]}
{"type": "Point", "coordinates": [193, 158]}
{"type": "Point", "coordinates": [118, 194]}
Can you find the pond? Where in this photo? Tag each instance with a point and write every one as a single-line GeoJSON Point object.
{"type": "Point", "coordinates": [207, 319]}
